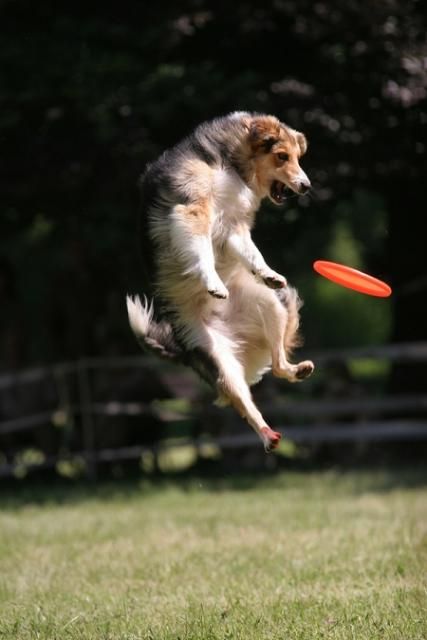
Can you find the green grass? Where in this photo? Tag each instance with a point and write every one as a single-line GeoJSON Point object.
{"type": "Point", "coordinates": [291, 556]}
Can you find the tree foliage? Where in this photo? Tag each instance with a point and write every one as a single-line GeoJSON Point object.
{"type": "Point", "coordinates": [91, 92]}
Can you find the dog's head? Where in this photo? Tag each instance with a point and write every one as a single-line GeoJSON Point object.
{"type": "Point", "coordinates": [276, 150]}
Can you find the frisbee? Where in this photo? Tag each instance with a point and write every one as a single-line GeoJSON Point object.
{"type": "Point", "coordinates": [352, 278]}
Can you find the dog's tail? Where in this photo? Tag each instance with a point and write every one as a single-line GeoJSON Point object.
{"type": "Point", "coordinates": [152, 335]}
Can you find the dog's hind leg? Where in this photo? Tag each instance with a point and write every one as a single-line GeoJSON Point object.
{"type": "Point", "coordinates": [227, 375]}
{"type": "Point", "coordinates": [281, 324]}
{"type": "Point", "coordinates": [235, 389]}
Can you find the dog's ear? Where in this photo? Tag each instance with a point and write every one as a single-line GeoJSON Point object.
{"type": "Point", "coordinates": [264, 133]}
{"type": "Point", "coordinates": [302, 143]}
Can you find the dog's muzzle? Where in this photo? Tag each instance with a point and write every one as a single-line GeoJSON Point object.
{"type": "Point", "coordinates": [304, 187]}
{"type": "Point", "coordinates": [278, 189]}
{"type": "Point", "coordinates": [278, 192]}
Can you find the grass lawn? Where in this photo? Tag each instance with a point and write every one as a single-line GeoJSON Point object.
{"type": "Point", "coordinates": [289, 556]}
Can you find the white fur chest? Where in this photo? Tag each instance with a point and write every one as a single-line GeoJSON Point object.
{"type": "Point", "coordinates": [234, 201]}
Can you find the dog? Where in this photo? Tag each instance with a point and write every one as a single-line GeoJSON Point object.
{"type": "Point", "coordinates": [219, 307]}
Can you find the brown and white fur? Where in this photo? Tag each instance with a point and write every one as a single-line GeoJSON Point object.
{"type": "Point", "coordinates": [219, 307]}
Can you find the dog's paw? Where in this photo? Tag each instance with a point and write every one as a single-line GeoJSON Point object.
{"type": "Point", "coordinates": [270, 439]}
{"type": "Point", "coordinates": [219, 292]}
{"type": "Point", "coordinates": [216, 288]}
{"type": "Point", "coordinates": [294, 372]}
{"type": "Point", "coordinates": [304, 369]}
{"type": "Point", "coordinates": [273, 280]}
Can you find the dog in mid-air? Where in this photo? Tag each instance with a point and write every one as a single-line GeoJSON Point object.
{"type": "Point", "coordinates": [219, 307]}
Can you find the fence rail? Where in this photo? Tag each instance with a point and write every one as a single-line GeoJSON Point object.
{"type": "Point", "coordinates": [306, 420]}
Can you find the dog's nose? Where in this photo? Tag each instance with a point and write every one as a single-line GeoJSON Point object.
{"type": "Point", "coordinates": [305, 187]}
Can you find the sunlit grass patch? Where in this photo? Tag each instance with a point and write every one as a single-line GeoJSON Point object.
{"type": "Point", "coordinates": [288, 556]}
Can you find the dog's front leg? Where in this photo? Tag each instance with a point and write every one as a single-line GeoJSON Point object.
{"type": "Point", "coordinates": [191, 240]}
{"type": "Point", "coordinates": [243, 248]}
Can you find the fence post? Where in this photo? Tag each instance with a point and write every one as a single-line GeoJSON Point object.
{"type": "Point", "coordinates": [87, 419]}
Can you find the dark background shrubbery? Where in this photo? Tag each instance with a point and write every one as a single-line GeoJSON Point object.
{"type": "Point", "coordinates": [90, 92]}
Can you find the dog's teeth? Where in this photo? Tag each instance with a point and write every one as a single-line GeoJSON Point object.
{"type": "Point", "coordinates": [278, 190]}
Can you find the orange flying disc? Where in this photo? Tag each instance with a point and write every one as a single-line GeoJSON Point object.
{"type": "Point", "coordinates": [352, 278]}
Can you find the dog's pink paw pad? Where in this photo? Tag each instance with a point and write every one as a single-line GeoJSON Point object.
{"type": "Point", "coordinates": [271, 438]}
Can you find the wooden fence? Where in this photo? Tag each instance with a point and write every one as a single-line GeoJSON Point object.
{"type": "Point", "coordinates": [61, 399]}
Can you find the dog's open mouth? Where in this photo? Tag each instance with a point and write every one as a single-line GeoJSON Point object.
{"type": "Point", "coordinates": [278, 192]}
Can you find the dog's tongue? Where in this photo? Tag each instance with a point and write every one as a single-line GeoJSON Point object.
{"type": "Point", "coordinates": [278, 191]}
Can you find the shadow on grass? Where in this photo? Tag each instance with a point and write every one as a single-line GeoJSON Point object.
{"type": "Point", "coordinates": [208, 478]}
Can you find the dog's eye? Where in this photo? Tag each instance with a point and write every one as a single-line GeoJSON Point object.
{"type": "Point", "coordinates": [283, 157]}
